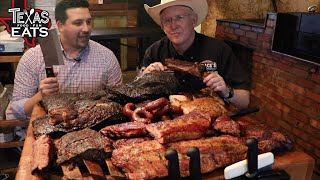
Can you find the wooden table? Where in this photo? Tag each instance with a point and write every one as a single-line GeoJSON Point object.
{"type": "Point", "coordinates": [296, 163]}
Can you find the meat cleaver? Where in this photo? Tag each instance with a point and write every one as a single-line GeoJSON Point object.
{"type": "Point", "coordinates": [51, 50]}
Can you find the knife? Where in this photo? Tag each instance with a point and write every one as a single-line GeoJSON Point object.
{"type": "Point", "coordinates": [244, 112]}
{"type": "Point", "coordinates": [51, 50]}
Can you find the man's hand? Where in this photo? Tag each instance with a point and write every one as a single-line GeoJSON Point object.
{"type": "Point", "coordinates": [156, 66]}
{"type": "Point", "coordinates": [49, 86]}
{"type": "Point", "coordinates": [216, 82]}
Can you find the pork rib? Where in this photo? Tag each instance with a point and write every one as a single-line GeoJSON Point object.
{"type": "Point", "coordinates": [146, 160]}
{"type": "Point", "coordinates": [189, 126]}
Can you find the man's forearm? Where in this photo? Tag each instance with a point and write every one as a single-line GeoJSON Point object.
{"type": "Point", "coordinates": [28, 106]}
{"type": "Point", "coordinates": [241, 98]}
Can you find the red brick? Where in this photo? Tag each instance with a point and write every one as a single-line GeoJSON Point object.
{"type": "Point", "coordinates": [244, 40]}
{"type": "Point", "coordinates": [270, 23]}
{"type": "Point", "coordinates": [251, 35]}
{"type": "Point", "coordinates": [239, 32]}
{"type": "Point", "coordinates": [255, 42]}
{"type": "Point", "coordinates": [301, 134]}
{"type": "Point", "coordinates": [268, 30]}
{"type": "Point", "coordinates": [317, 153]}
{"type": "Point", "coordinates": [312, 112]}
{"type": "Point", "coordinates": [304, 101]}
{"type": "Point", "coordinates": [306, 83]}
{"type": "Point", "coordinates": [315, 77]}
{"type": "Point", "coordinates": [246, 28]}
{"type": "Point", "coordinates": [285, 125]}
{"type": "Point", "coordinates": [315, 133]}
{"type": "Point", "coordinates": [314, 96]}
{"type": "Point", "coordinates": [220, 31]}
{"type": "Point", "coordinates": [257, 29]}
{"type": "Point", "coordinates": [266, 45]}
{"type": "Point", "coordinates": [300, 116]}
{"type": "Point", "coordinates": [306, 146]}
{"type": "Point", "coordinates": [299, 72]}
{"type": "Point", "coordinates": [315, 123]}
{"type": "Point", "coordinates": [232, 37]}
{"type": "Point", "coordinates": [264, 37]}
{"type": "Point", "coordinates": [295, 88]}
{"type": "Point", "coordinates": [229, 30]}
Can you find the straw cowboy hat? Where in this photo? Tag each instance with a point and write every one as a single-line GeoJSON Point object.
{"type": "Point", "coordinates": [200, 7]}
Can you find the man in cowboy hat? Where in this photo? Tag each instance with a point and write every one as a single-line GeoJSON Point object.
{"type": "Point", "coordinates": [178, 18]}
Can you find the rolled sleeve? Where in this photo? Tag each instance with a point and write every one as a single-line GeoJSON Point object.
{"type": "Point", "coordinates": [18, 109]}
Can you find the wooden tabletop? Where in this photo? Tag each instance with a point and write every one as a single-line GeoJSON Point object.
{"type": "Point", "coordinates": [297, 164]}
{"type": "Point", "coordinates": [10, 57]}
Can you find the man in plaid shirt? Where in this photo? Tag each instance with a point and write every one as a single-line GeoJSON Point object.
{"type": "Point", "coordinates": [88, 66]}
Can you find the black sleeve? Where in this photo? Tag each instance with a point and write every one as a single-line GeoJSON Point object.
{"type": "Point", "coordinates": [232, 72]}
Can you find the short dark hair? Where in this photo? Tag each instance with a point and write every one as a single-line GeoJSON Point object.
{"type": "Point", "coordinates": [63, 5]}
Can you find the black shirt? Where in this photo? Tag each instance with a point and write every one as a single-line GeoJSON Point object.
{"type": "Point", "coordinates": [203, 48]}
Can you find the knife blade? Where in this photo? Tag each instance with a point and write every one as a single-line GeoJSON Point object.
{"type": "Point", "coordinates": [51, 50]}
{"type": "Point", "coordinates": [241, 167]}
{"type": "Point", "coordinates": [244, 112]}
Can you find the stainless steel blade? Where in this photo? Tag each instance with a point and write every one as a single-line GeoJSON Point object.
{"type": "Point", "coordinates": [51, 49]}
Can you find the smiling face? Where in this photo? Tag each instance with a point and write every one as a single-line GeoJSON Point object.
{"type": "Point", "coordinates": [76, 30]}
{"type": "Point", "coordinates": [178, 23]}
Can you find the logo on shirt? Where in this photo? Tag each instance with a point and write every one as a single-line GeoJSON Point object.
{"type": "Point", "coordinates": [27, 22]}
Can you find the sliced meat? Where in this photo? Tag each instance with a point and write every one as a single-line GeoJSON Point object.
{"type": "Point", "coordinates": [226, 125]}
{"type": "Point", "coordinates": [189, 126]}
{"type": "Point", "coordinates": [43, 154]}
{"type": "Point", "coordinates": [195, 69]}
{"type": "Point", "coordinates": [125, 130]}
{"type": "Point", "coordinates": [84, 144]}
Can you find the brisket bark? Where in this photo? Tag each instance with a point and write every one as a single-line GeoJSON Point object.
{"type": "Point", "coordinates": [226, 125]}
{"type": "Point", "coordinates": [268, 139]}
{"type": "Point", "coordinates": [150, 86]}
{"type": "Point", "coordinates": [195, 69]}
{"type": "Point", "coordinates": [89, 113]}
{"type": "Point", "coordinates": [146, 160]}
{"type": "Point", "coordinates": [84, 144]}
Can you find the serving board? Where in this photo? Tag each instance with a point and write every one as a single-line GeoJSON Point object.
{"type": "Point", "coordinates": [296, 163]}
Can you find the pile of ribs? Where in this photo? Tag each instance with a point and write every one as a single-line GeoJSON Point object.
{"type": "Point", "coordinates": [135, 124]}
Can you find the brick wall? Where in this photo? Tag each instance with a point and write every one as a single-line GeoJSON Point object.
{"type": "Point", "coordinates": [286, 90]}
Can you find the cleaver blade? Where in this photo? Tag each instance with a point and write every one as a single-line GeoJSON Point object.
{"type": "Point", "coordinates": [51, 50]}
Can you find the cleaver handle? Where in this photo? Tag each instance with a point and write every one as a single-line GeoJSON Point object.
{"type": "Point", "coordinates": [49, 72]}
{"type": "Point", "coordinates": [240, 168]}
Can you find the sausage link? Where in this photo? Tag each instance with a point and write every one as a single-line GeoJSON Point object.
{"type": "Point", "coordinates": [156, 104]}
{"type": "Point", "coordinates": [142, 115]}
{"type": "Point", "coordinates": [176, 110]}
{"type": "Point", "coordinates": [162, 111]}
{"type": "Point", "coordinates": [128, 109]}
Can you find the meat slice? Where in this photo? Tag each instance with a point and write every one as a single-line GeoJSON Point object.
{"type": "Point", "coordinates": [43, 154]}
{"type": "Point", "coordinates": [208, 104]}
{"type": "Point", "coordinates": [146, 160]}
{"type": "Point", "coordinates": [268, 139]}
{"type": "Point", "coordinates": [84, 144]}
{"type": "Point", "coordinates": [195, 69]}
{"type": "Point", "coordinates": [89, 114]}
{"type": "Point", "coordinates": [129, 142]}
{"type": "Point", "coordinates": [226, 125]}
{"type": "Point", "coordinates": [189, 126]}
{"type": "Point", "coordinates": [125, 130]}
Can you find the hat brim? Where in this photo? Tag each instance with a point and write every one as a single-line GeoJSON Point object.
{"type": "Point", "coordinates": [200, 8]}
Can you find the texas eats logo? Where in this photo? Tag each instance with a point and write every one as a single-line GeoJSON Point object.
{"type": "Point", "coordinates": [26, 22]}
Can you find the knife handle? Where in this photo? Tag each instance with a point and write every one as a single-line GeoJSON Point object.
{"type": "Point", "coordinates": [173, 164]}
{"type": "Point", "coordinates": [252, 157]}
{"type": "Point", "coordinates": [49, 72]}
{"type": "Point", "coordinates": [194, 165]}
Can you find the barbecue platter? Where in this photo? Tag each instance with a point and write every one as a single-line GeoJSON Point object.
{"type": "Point", "coordinates": [125, 131]}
